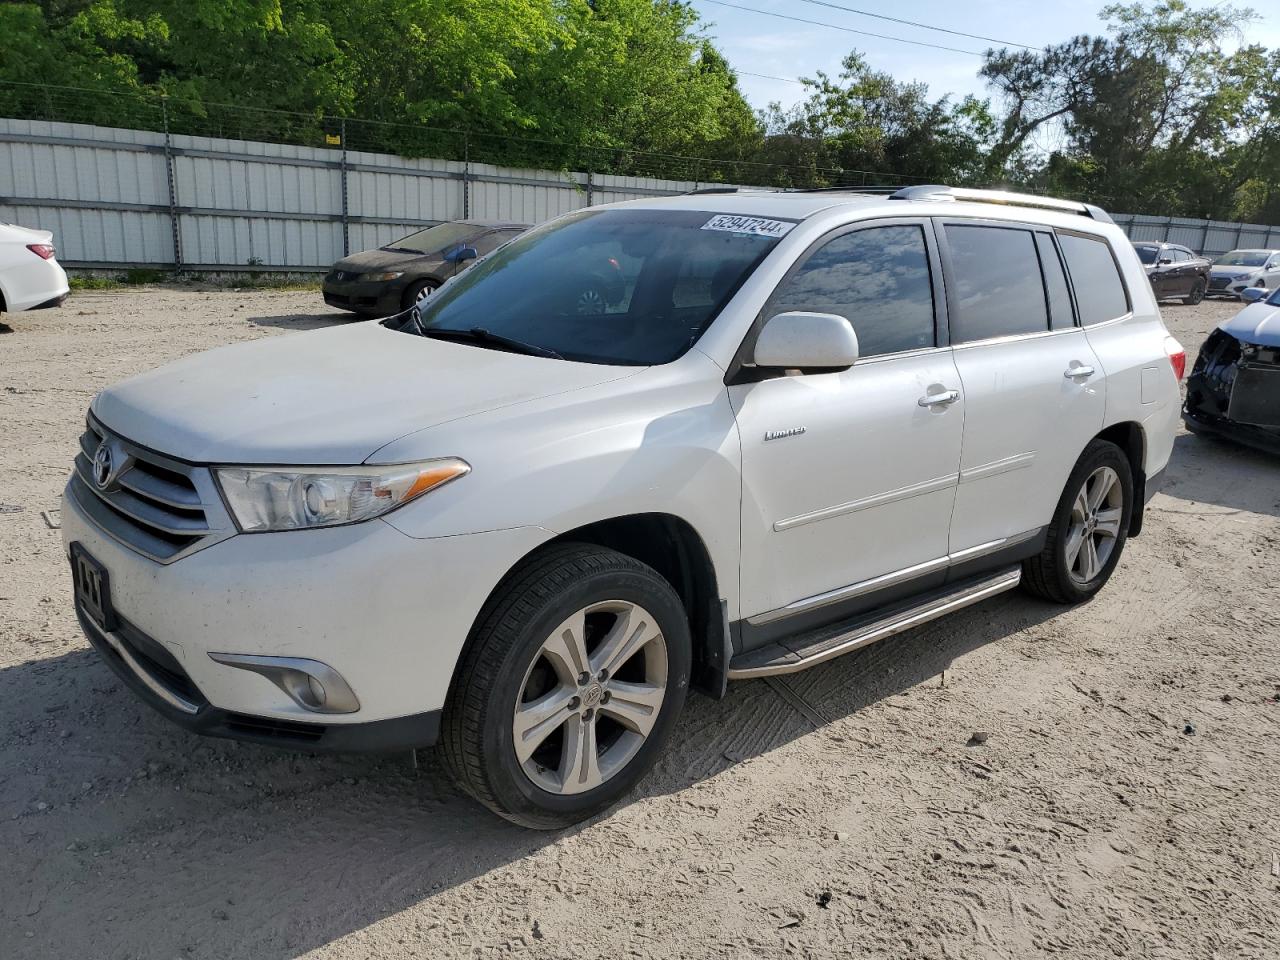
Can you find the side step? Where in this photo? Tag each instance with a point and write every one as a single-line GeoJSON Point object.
{"type": "Point", "coordinates": [804, 650]}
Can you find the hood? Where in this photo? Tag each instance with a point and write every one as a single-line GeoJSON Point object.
{"type": "Point", "coordinates": [26, 234]}
{"type": "Point", "coordinates": [1218, 271]}
{"type": "Point", "coordinates": [330, 396]}
{"type": "Point", "coordinates": [1257, 323]}
{"type": "Point", "coordinates": [368, 261]}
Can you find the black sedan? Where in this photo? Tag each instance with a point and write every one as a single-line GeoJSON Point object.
{"type": "Point", "coordinates": [1174, 271]}
{"type": "Point", "coordinates": [393, 278]}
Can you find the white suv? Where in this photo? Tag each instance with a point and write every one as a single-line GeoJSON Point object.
{"type": "Point", "coordinates": [523, 527]}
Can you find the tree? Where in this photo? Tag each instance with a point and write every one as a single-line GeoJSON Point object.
{"type": "Point", "coordinates": [865, 122]}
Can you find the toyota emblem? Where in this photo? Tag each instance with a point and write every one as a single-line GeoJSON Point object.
{"type": "Point", "coordinates": [102, 465]}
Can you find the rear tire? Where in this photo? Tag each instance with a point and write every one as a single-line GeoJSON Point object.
{"type": "Point", "coordinates": [1089, 528]}
{"type": "Point", "coordinates": [1197, 293]}
{"type": "Point", "coordinates": [569, 688]}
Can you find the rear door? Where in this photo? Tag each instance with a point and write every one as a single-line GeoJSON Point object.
{"type": "Point", "coordinates": [1033, 388]}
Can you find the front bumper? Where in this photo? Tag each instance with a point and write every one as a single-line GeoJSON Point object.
{"type": "Point", "coordinates": [388, 612]}
{"type": "Point", "coordinates": [1259, 438]}
{"type": "Point", "coordinates": [1227, 287]}
{"type": "Point", "coordinates": [379, 299]}
{"type": "Point", "coordinates": [140, 673]}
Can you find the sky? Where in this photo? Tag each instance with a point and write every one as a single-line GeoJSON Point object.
{"type": "Point", "coordinates": [781, 48]}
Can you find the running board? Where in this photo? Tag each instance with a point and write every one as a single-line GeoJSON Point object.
{"type": "Point", "coordinates": [802, 651]}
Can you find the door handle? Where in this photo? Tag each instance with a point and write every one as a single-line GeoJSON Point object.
{"type": "Point", "coordinates": [1077, 370]}
{"type": "Point", "coordinates": [934, 399]}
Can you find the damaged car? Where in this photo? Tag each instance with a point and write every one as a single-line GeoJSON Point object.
{"type": "Point", "coordinates": [1234, 388]}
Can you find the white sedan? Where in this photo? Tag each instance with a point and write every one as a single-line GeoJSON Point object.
{"type": "Point", "coordinates": [30, 276]}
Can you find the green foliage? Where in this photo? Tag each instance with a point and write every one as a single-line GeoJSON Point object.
{"type": "Point", "coordinates": [1169, 113]}
{"type": "Point", "coordinates": [865, 120]}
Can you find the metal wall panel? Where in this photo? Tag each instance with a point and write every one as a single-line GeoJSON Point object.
{"type": "Point", "coordinates": [1209, 237]}
{"type": "Point", "coordinates": [240, 204]}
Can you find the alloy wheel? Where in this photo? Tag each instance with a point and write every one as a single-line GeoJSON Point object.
{"type": "Point", "coordinates": [590, 697]}
{"type": "Point", "coordinates": [590, 302]}
{"type": "Point", "coordinates": [424, 293]}
{"type": "Point", "coordinates": [1094, 528]}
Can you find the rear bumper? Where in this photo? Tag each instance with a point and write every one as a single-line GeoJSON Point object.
{"type": "Point", "coordinates": [397, 733]}
{"type": "Point", "coordinates": [53, 302]}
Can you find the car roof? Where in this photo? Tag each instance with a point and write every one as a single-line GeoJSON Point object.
{"type": "Point", "coordinates": [494, 224]}
{"type": "Point", "coordinates": [802, 205]}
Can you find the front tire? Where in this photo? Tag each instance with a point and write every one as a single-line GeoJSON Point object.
{"type": "Point", "coordinates": [418, 292]}
{"type": "Point", "coordinates": [1089, 528]}
{"type": "Point", "coordinates": [569, 688]}
{"type": "Point", "coordinates": [1197, 293]}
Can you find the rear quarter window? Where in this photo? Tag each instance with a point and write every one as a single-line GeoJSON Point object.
{"type": "Point", "coordinates": [1095, 277]}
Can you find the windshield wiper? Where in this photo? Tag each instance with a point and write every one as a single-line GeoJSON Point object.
{"type": "Point", "coordinates": [481, 335]}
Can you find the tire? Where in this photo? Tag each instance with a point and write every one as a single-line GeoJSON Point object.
{"type": "Point", "coordinates": [517, 671]}
{"type": "Point", "coordinates": [417, 291]}
{"type": "Point", "coordinates": [1062, 573]}
{"type": "Point", "coordinates": [1197, 293]}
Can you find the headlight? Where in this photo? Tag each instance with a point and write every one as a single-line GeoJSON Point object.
{"type": "Point", "coordinates": [290, 498]}
{"type": "Point", "coordinates": [378, 277]}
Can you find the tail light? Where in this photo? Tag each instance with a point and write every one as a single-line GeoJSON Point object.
{"type": "Point", "coordinates": [43, 250]}
{"type": "Point", "coordinates": [1177, 357]}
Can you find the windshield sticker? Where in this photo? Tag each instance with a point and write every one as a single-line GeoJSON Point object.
{"type": "Point", "coordinates": [757, 226]}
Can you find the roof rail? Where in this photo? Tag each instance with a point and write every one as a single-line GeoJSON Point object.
{"type": "Point", "coordinates": [875, 191]}
{"type": "Point", "coordinates": [704, 190]}
{"type": "Point", "coordinates": [974, 195]}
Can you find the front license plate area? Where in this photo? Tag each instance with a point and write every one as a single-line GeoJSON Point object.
{"type": "Point", "coordinates": [1255, 397]}
{"type": "Point", "coordinates": [92, 587]}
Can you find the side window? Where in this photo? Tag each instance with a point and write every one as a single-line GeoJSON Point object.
{"type": "Point", "coordinates": [1100, 293]}
{"type": "Point", "coordinates": [1178, 256]}
{"type": "Point", "coordinates": [998, 291]}
{"type": "Point", "coordinates": [1061, 315]}
{"type": "Point", "coordinates": [878, 279]}
{"type": "Point", "coordinates": [487, 243]}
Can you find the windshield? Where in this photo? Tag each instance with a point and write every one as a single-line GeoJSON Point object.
{"type": "Point", "coordinates": [1242, 258]}
{"type": "Point", "coordinates": [634, 287]}
{"type": "Point", "coordinates": [435, 239]}
{"type": "Point", "coordinates": [1147, 254]}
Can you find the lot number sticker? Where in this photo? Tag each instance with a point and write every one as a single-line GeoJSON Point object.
{"type": "Point", "coordinates": [759, 226]}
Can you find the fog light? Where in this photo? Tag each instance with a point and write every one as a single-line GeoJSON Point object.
{"type": "Point", "coordinates": [317, 690]}
{"type": "Point", "coordinates": [312, 685]}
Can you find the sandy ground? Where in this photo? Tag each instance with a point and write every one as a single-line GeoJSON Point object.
{"type": "Point", "coordinates": [839, 814]}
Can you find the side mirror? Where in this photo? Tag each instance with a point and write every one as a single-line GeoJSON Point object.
{"type": "Point", "coordinates": [462, 254]}
{"type": "Point", "coordinates": [1253, 294]}
{"type": "Point", "coordinates": [799, 340]}
{"type": "Point", "coordinates": [1164, 261]}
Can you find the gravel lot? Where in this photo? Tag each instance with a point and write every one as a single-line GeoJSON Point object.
{"type": "Point", "coordinates": [1125, 803]}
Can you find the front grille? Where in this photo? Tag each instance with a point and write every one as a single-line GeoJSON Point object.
{"type": "Point", "coordinates": [1219, 283]}
{"type": "Point", "coordinates": [161, 508]}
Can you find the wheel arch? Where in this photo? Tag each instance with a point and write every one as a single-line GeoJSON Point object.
{"type": "Point", "coordinates": [671, 546]}
{"type": "Point", "coordinates": [1132, 440]}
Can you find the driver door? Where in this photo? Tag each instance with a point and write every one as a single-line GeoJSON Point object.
{"type": "Point", "coordinates": [850, 475]}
